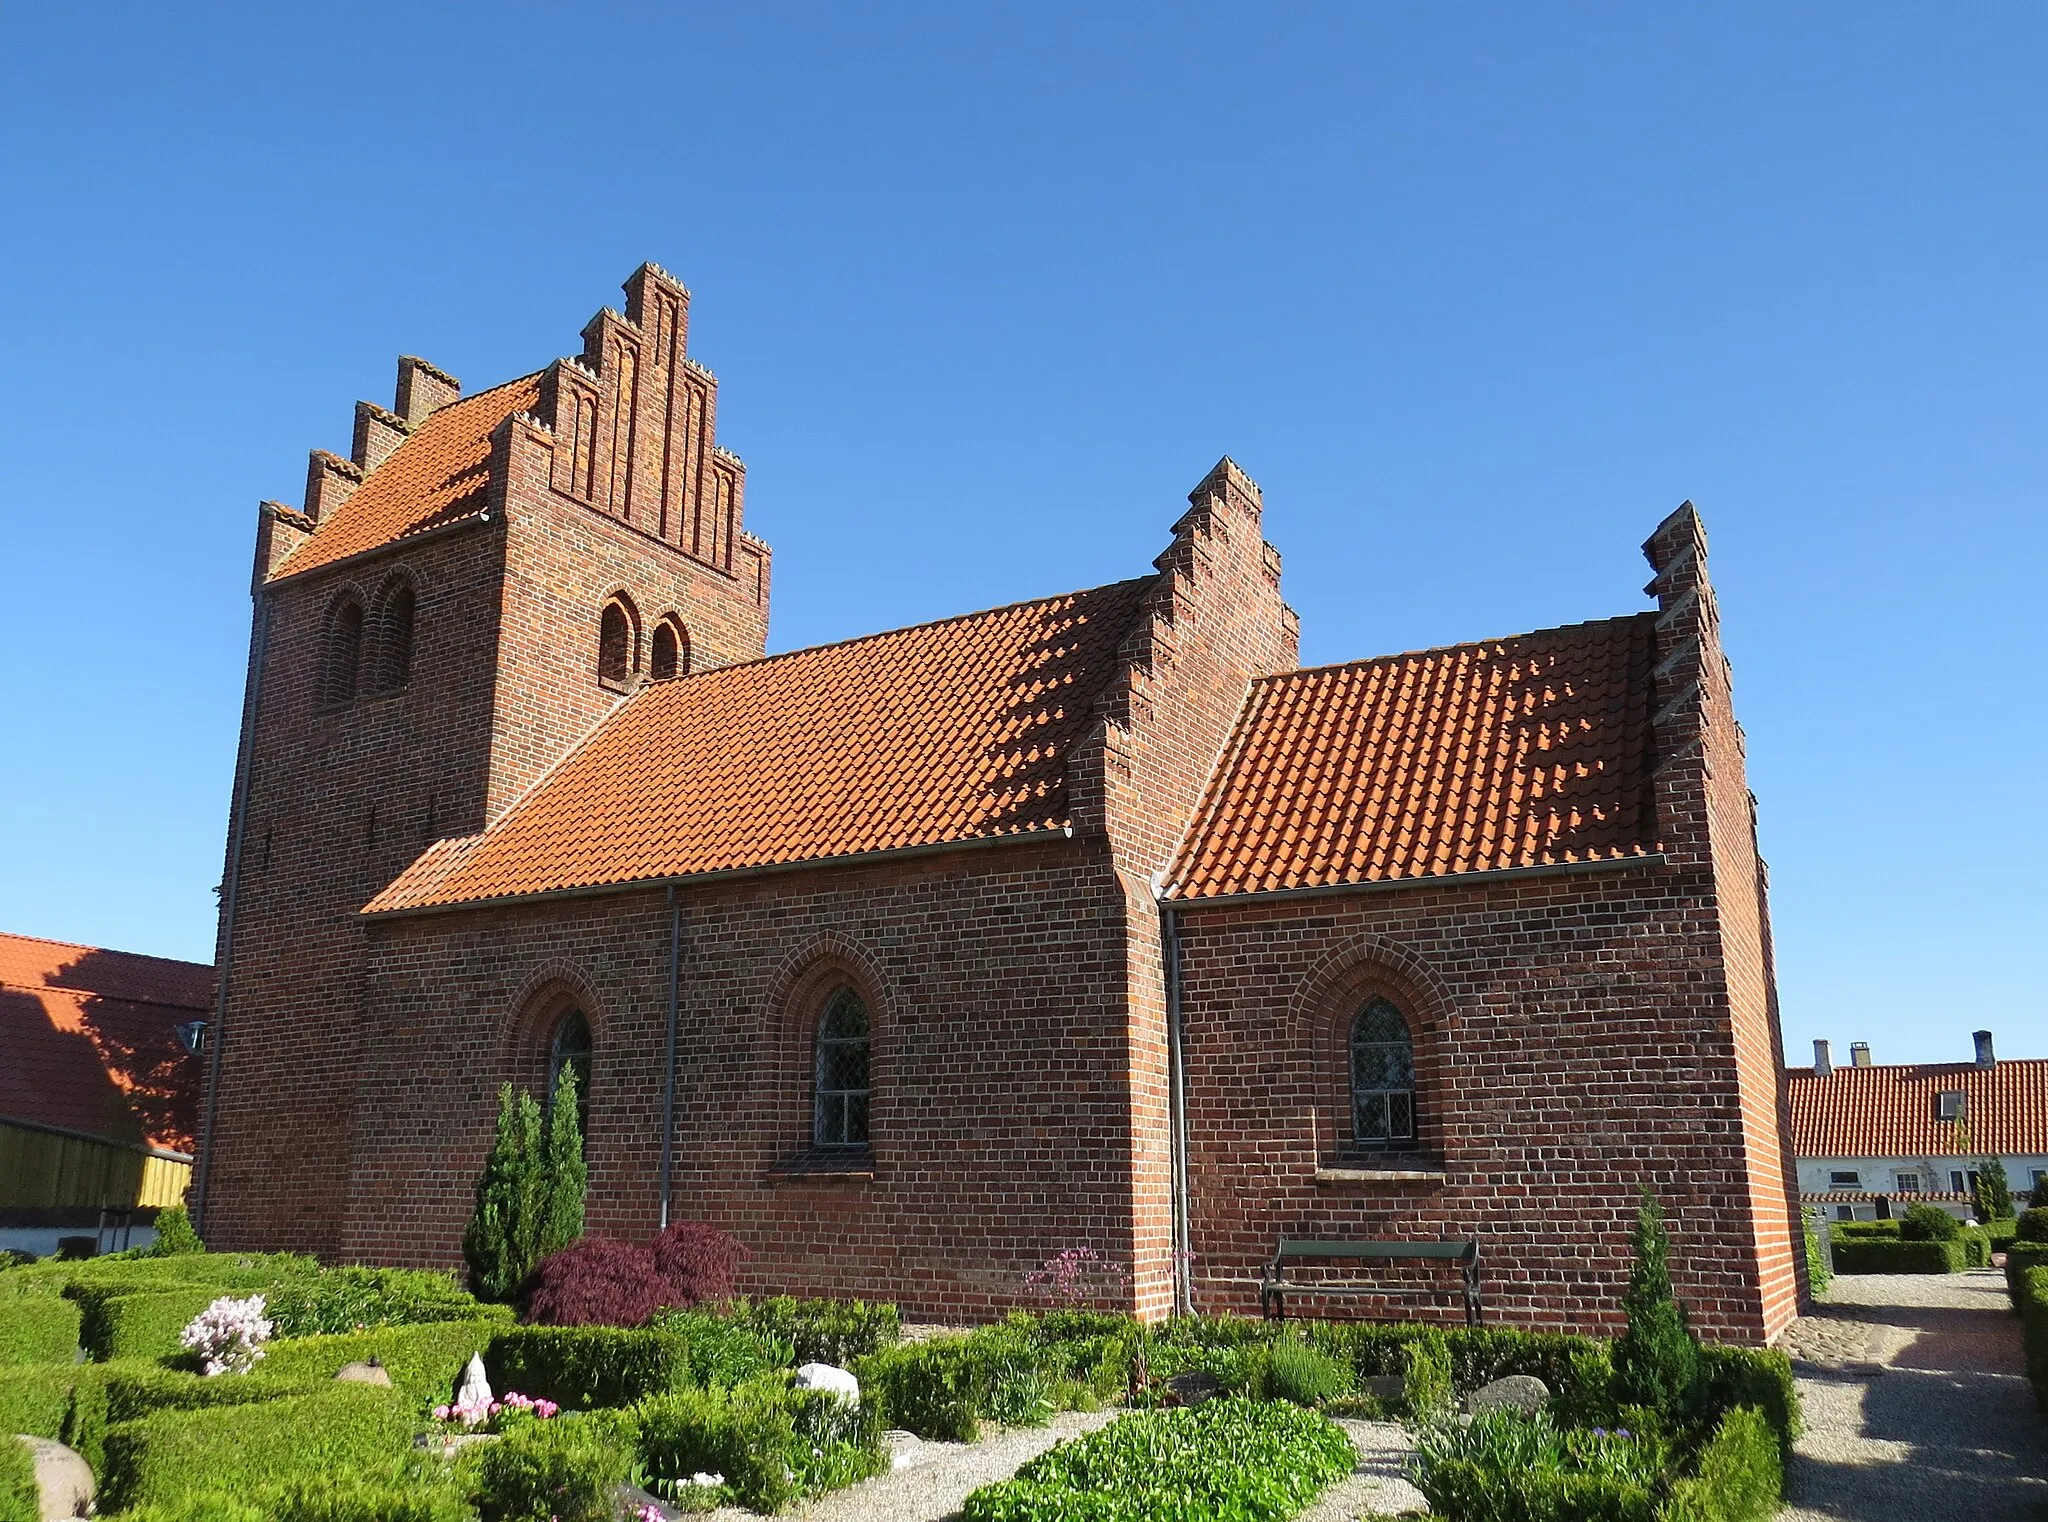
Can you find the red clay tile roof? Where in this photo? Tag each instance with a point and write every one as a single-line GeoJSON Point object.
{"type": "Point", "coordinates": [1514, 752]}
{"type": "Point", "coordinates": [953, 731]}
{"type": "Point", "coordinates": [439, 475]}
{"type": "Point", "coordinates": [90, 1042]}
{"type": "Point", "coordinates": [1894, 1111]}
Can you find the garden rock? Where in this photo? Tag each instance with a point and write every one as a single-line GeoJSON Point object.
{"type": "Point", "coordinates": [63, 1480]}
{"type": "Point", "coordinates": [371, 1373]}
{"type": "Point", "coordinates": [475, 1389]}
{"type": "Point", "coordinates": [1383, 1386]}
{"type": "Point", "coordinates": [832, 1380]}
{"type": "Point", "coordinates": [903, 1448]}
{"type": "Point", "coordinates": [1516, 1392]}
{"type": "Point", "coordinates": [1194, 1387]}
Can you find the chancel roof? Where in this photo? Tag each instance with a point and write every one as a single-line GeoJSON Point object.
{"type": "Point", "coordinates": [1520, 752]}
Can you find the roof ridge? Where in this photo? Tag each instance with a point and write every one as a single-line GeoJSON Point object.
{"type": "Point", "coordinates": [106, 951]}
{"type": "Point", "coordinates": [1468, 644]}
{"type": "Point", "coordinates": [933, 623]}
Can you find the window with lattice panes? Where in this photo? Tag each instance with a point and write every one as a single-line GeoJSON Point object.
{"type": "Point", "coordinates": [839, 1109]}
{"type": "Point", "coordinates": [1382, 1056]}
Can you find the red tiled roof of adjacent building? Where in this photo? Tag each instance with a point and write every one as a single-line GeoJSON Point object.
{"type": "Point", "coordinates": [1895, 1110]}
{"type": "Point", "coordinates": [1520, 752]}
{"type": "Point", "coordinates": [947, 732]}
{"type": "Point", "coordinates": [438, 476]}
{"type": "Point", "coordinates": [91, 1043]}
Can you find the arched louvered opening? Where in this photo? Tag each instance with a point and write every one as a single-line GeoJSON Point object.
{"type": "Point", "coordinates": [344, 654]}
{"type": "Point", "coordinates": [669, 651]}
{"type": "Point", "coordinates": [394, 638]}
{"type": "Point", "coordinates": [617, 635]}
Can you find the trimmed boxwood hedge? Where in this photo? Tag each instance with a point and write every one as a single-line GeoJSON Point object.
{"type": "Point", "coordinates": [36, 1398]}
{"type": "Point", "coordinates": [2033, 1309]}
{"type": "Point", "coordinates": [140, 1325]}
{"type": "Point", "coordinates": [1879, 1256]}
{"type": "Point", "coordinates": [18, 1495]}
{"type": "Point", "coordinates": [247, 1450]}
{"type": "Point", "coordinates": [587, 1367]}
{"type": "Point", "coordinates": [2020, 1257]}
{"type": "Point", "coordinates": [425, 1361]}
{"type": "Point", "coordinates": [106, 1394]}
{"type": "Point", "coordinates": [38, 1329]}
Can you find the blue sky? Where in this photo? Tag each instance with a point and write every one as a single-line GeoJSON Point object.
{"type": "Point", "coordinates": [1478, 294]}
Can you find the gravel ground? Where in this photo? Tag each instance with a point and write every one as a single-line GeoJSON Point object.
{"type": "Point", "coordinates": [1923, 1410]}
{"type": "Point", "coordinates": [1376, 1487]}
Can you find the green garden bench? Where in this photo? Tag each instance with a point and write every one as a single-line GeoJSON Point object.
{"type": "Point", "coordinates": [1274, 1286]}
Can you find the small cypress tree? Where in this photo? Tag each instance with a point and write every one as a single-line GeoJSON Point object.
{"type": "Point", "coordinates": [1993, 1191]}
{"type": "Point", "coordinates": [499, 1244]}
{"type": "Point", "coordinates": [563, 1174]}
{"type": "Point", "coordinates": [1656, 1361]}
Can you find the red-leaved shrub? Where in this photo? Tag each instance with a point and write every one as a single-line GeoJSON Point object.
{"type": "Point", "coordinates": [699, 1262]}
{"type": "Point", "coordinates": [599, 1281]}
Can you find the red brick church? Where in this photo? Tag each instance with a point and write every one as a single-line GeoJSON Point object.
{"type": "Point", "coordinates": [917, 959]}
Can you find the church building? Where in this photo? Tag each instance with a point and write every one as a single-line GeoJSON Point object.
{"type": "Point", "coordinates": [918, 959]}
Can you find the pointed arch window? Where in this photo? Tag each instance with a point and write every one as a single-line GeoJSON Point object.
{"type": "Point", "coordinates": [617, 641]}
{"type": "Point", "coordinates": [669, 651]}
{"type": "Point", "coordinates": [344, 651]}
{"type": "Point", "coordinates": [394, 638]}
{"type": "Point", "coordinates": [1382, 1076]}
{"type": "Point", "coordinates": [839, 1111]}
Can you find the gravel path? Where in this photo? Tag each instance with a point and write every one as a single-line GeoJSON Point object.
{"type": "Point", "coordinates": [932, 1479]}
{"type": "Point", "coordinates": [1917, 1405]}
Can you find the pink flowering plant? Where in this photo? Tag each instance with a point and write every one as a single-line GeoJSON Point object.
{"type": "Point", "coordinates": [228, 1336]}
{"type": "Point", "coordinates": [1077, 1278]}
{"type": "Point", "coordinates": [513, 1410]}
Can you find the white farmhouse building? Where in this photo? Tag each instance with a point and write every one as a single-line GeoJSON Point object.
{"type": "Point", "coordinates": [1871, 1140]}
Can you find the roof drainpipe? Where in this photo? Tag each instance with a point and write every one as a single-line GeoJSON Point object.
{"type": "Point", "coordinates": [668, 1097]}
{"type": "Point", "coordinates": [224, 943]}
{"type": "Point", "coordinates": [1177, 1115]}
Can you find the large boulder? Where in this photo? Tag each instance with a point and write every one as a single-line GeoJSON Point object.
{"type": "Point", "coordinates": [63, 1480]}
{"type": "Point", "coordinates": [1518, 1392]}
{"type": "Point", "coordinates": [832, 1380]}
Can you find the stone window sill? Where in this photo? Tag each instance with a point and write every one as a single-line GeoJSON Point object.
{"type": "Point", "coordinates": [824, 1167]}
{"type": "Point", "coordinates": [1368, 1171]}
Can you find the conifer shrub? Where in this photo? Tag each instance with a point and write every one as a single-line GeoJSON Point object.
{"type": "Point", "coordinates": [1929, 1223]}
{"type": "Point", "coordinates": [599, 1281]}
{"type": "Point", "coordinates": [563, 1176]}
{"type": "Point", "coordinates": [501, 1243]}
{"type": "Point", "coordinates": [699, 1261]}
{"type": "Point", "coordinates": [174, 1235]}
{"type": "Point", "coordinates": [1656, 1360]}
{"type": "Point", "coordinates": [1991, 1192]}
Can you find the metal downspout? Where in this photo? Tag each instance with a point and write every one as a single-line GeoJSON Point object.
{"type": "Point", "coordinates": [668, 1099]}
{"type": "Point", "coordinates": [1177, 1128]}
{"type": "Point", "coordinates": [224, 943]}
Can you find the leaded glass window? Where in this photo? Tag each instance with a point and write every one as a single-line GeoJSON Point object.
{"type": "Point", "coordinates": [839, 1114]}
{"type": "Point", "coordinates": [569, 1052]}
{"type": "Point", "coordinates": [1382, 1077]}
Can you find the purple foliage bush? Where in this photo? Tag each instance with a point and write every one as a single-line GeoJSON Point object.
{"type": "Point", "coordinates": [599, 1281]}
{"type": "Point", "coordinates": [699, 1262]}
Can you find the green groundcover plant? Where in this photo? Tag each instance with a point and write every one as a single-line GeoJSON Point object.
{"type": "Point", "coordinates": [1228, 1460]}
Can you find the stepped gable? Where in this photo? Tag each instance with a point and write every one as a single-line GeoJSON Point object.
{"type": "Point", "coordinates": [91, 1044]}
{"type": "Point", "coordinates": [947, 732]}
{"type": "Point", "coordinates": [1894, 1110]}
{"type": "Point", "coordinates": [438, 475]}
{"type": "Point", "coordinates": [1528, 751]}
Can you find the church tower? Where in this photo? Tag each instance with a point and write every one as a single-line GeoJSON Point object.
{"type": "Point", "coordinates": [456, 605]}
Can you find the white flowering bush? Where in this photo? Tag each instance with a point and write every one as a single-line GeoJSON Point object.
{"type": "Point", "coordinates": [228, 1335]}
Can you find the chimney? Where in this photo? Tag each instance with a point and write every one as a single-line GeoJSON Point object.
{"type": "Point", "coordinates": [1859, 1054]}
{"type": "Point", "coordinates": [1823, 1061]}
{"type": "Point", "coordinates": [1986, 1058]}
{"type": "Point", "coordinates": [423, 390]}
